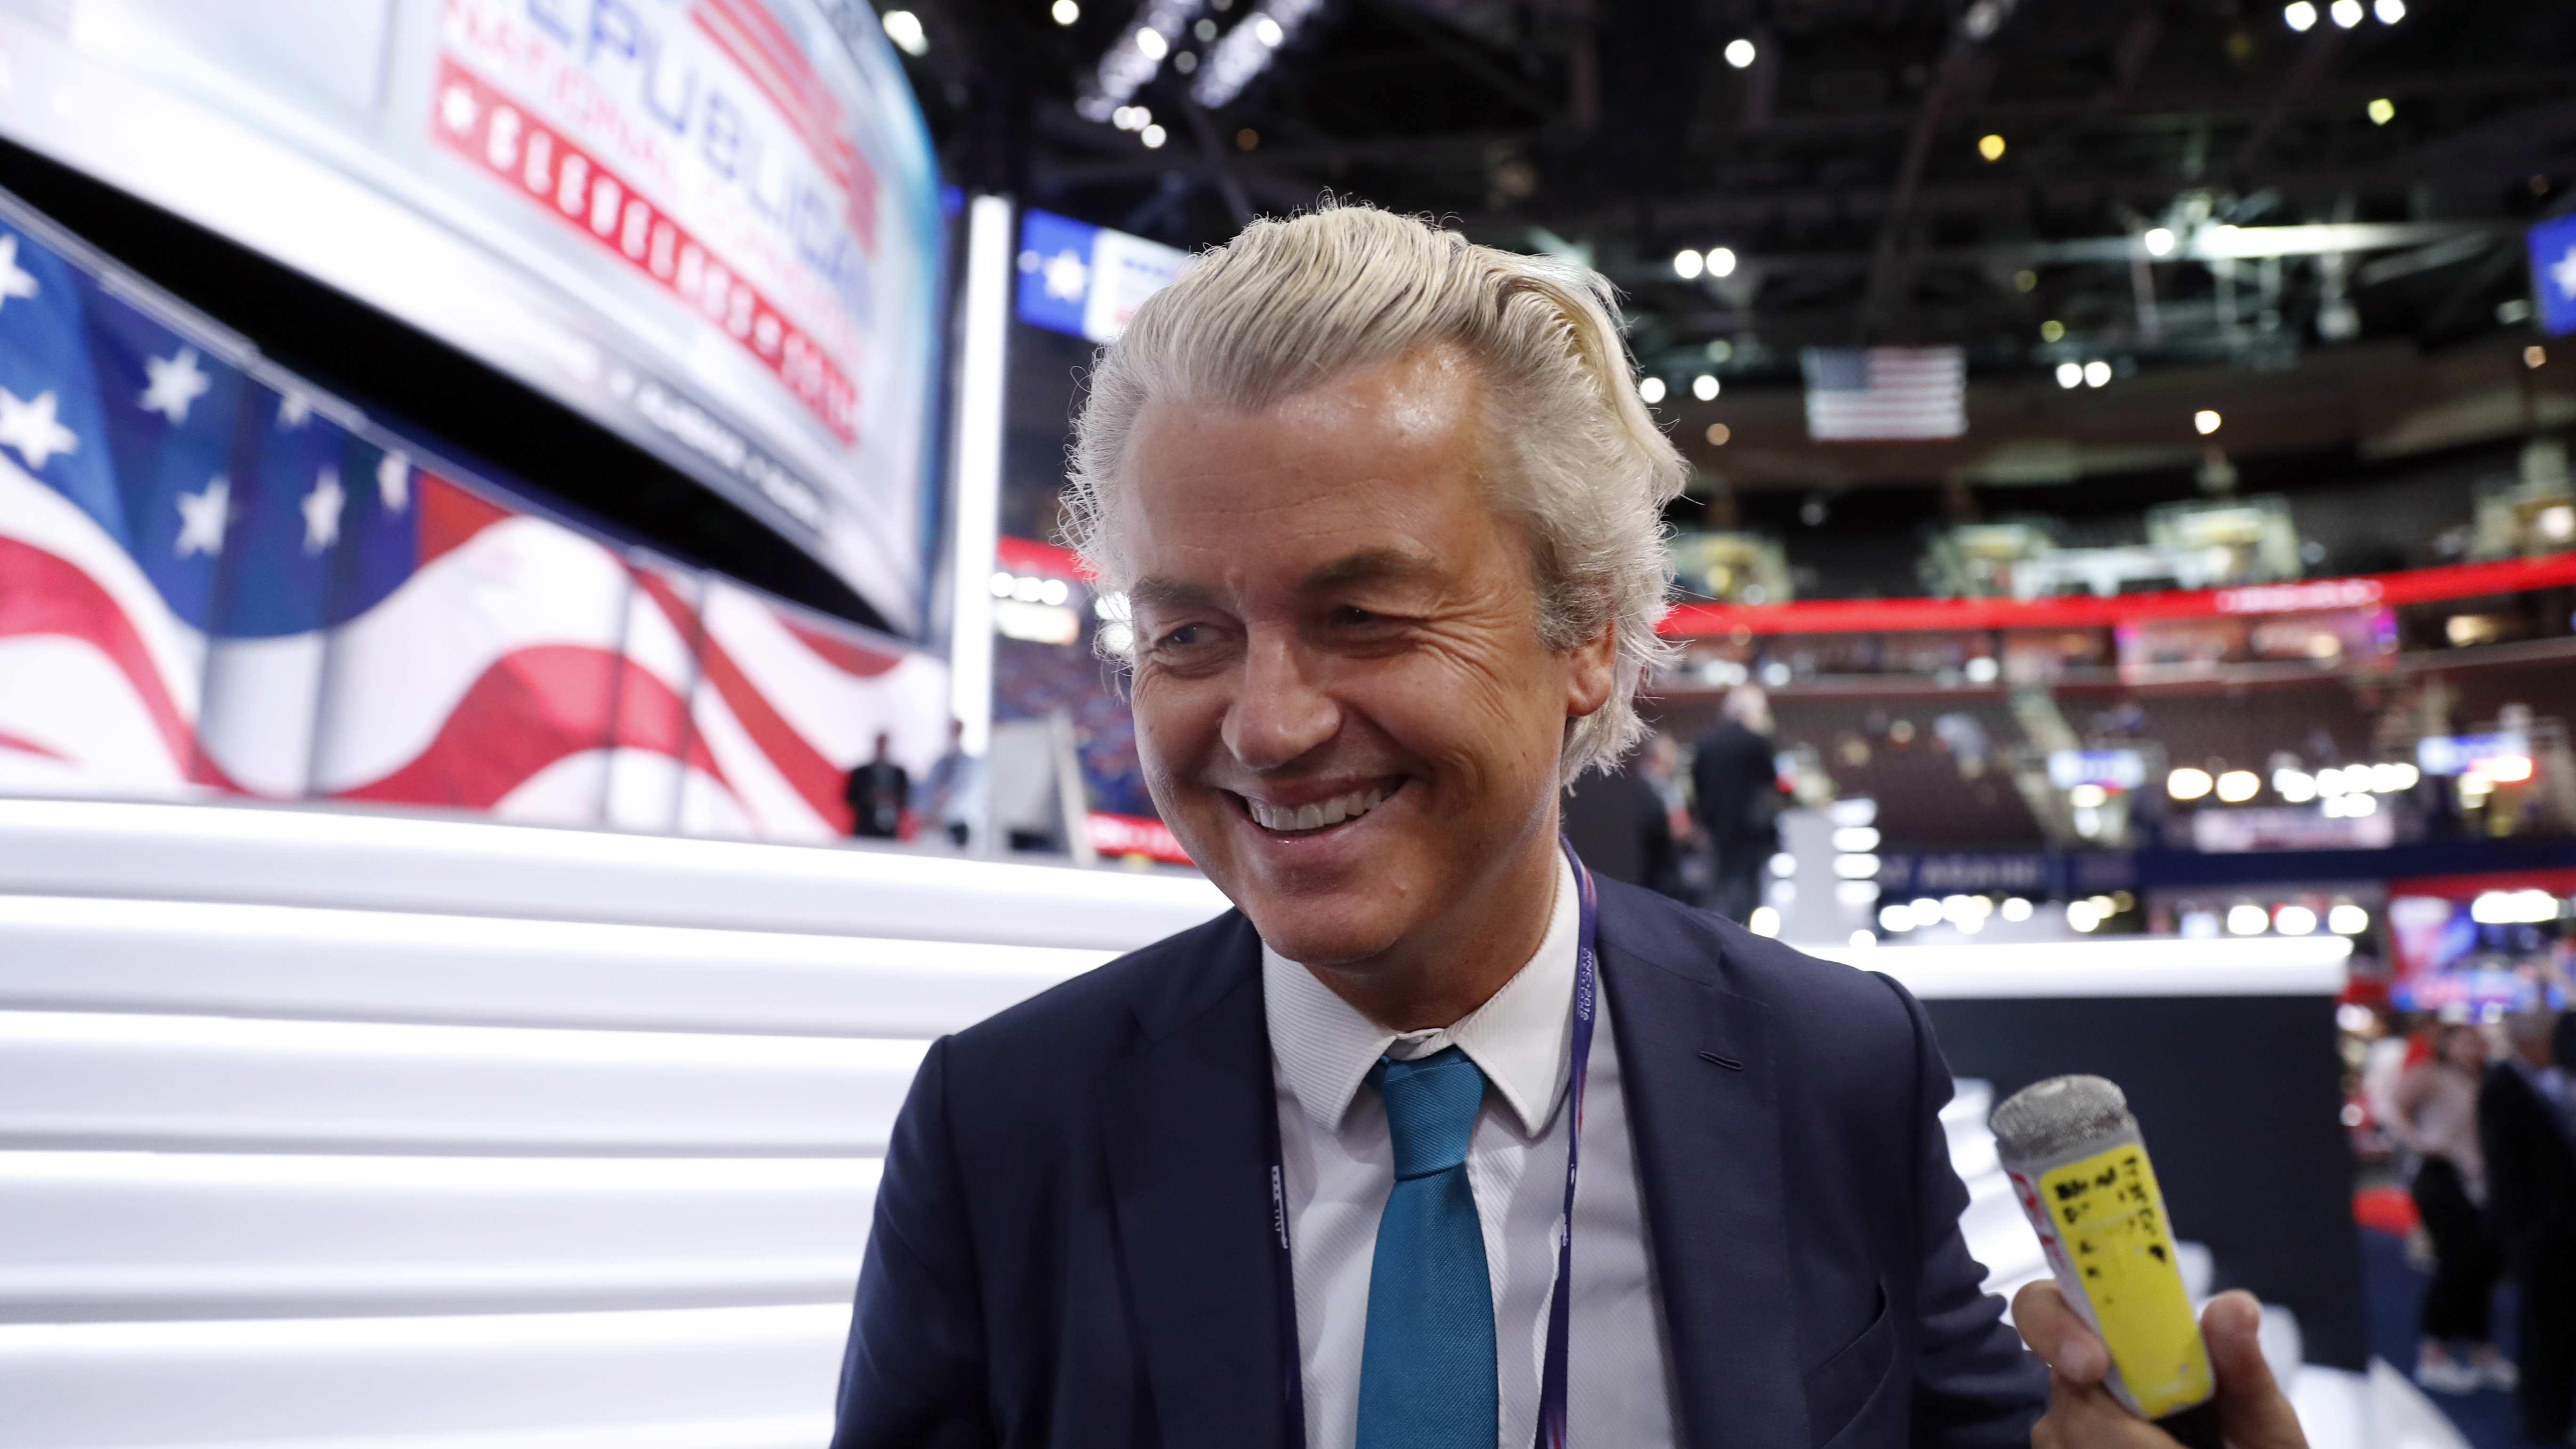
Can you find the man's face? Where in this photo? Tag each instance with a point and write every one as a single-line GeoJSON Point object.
{"type": "Point", "coordinates": [1343, 704]}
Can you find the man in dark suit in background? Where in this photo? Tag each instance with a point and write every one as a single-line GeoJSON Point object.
{"type": "Point", "coordinates": [2524, 1134]}
{"type": "Point", "coordinates": [877, 791]}
{"type": "Point", "coordinates": [1735, 790]}
{"type": "Point", "coordinates": [1385, 507]}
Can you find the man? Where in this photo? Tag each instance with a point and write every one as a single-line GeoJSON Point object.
{"type": "Point", "coordinates": [2524, 1135]}
{"type": "Point", "coordinates": [1385, 507]}
{"type": "Point", "coordinates": [877, 791]}
{"type": "Point", "coordinates": [954, 795]}
{"type": "Point", "coordinates": [1738, 798]}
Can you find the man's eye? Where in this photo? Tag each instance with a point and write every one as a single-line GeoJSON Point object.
{"type": "Point", "coordinates": [1354, 614]}
{"type": "Point", "coordinates": [1182, 637]}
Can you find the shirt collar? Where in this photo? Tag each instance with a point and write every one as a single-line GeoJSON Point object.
{"type": "Point", "coordinates": [1521, 1038]}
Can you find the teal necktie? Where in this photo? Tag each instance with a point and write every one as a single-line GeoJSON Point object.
{"type": "Point", "coordinates": [1427, 1364]}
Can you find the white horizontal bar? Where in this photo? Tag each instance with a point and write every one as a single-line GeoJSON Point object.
{"type": "Point", "coordinates": [99, 953]}
{"type": "Point", "coordinates": [72, 1079]}
{"type": "Point", "coordinates": [388, 861]}
{"type": "Point", "coordinates": [2138, 966]}
{"type": "Point", "coordinates": [456, 1382]}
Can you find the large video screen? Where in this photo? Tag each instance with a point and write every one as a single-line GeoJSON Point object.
{"type": "Point", "coordinates": [713, 225]}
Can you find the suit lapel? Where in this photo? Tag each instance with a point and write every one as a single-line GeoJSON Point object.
{"type": "Point", "coordinates": [1709, 1155]}
{"type": "Point", "coordinates": [1188, 1148]}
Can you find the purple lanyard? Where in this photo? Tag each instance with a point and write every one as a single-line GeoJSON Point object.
{"type": "Point", "coordinates": [1551, 1378]}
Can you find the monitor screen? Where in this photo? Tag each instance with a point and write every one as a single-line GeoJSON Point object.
{"type": "Point", "coordinates": [712, 225]}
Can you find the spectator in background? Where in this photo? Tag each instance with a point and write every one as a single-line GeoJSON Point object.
{"type": "Point", "coordinates": [877, 791]}
{"type": "Point", "coordinates": [954, 793]}
{"type": "Point", "coordinates": [1617, 822]}
{"type": "Point", "coordinates": [2434, 1112]}
{"type": "Point", "coordinates": [1738, 793]}
{"type": "Point", "coordinates": [2525, 1136]}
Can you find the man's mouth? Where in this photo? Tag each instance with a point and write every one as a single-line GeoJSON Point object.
{"type": "Point", "coordinates": [1298, 819]}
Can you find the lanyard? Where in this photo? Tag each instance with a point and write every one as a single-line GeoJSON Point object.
{"type": "Point", "coordinates": [1551, 1378]}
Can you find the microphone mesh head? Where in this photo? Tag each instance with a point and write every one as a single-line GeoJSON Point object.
{"type": "Point", "coordinates": [2046, 1119]}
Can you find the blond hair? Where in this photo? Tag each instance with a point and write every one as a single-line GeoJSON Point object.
{"type": "Point", "coordinates": [1289, 305]}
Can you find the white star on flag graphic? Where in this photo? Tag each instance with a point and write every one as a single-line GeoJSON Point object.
{"type": "Point", "coordinates": [15, 281]}
{"type": "Point", "coordinates": [176, 382]}
{"type": "Point", "coordinates": [1065, 275]}
{"type": "Point", "coordinates": [202, 517]}
{"type": "Point", "coordinates": [457, 109]}
{"type": "Point", "coordinates": [322, 511]}
{"type": "Point", "coordinates": [393, 482]}
{"type": "Point", "coordinates": [2563, 272]}
{"type": "Point", "coordinates": [30, 428]}
{"type": "Point", "coordinates": [293, 409]}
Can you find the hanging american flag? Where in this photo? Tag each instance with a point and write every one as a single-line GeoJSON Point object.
{"type": "Point", "coordinates": [212, 577]}
{"type": "Point", "coordinates": [1885, 394]}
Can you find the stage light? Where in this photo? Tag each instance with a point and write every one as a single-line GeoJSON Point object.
{"type": "Point", "coordinates": [1763, 922]}
{"type": "Point", "coordinates": [1991, 147]}
{"type": "Point", "coordinates": [2296, 786]}
{"type": "Point", "coordinates": [2016, 909]}
{"type": "Point", "coordinates": [2388, 779]}
{"type": "Point", "coordinates": [1863, 939]}
{"type": "Point", "coordinates": [2207, 421]}
{"type": "Point", "coordinates": [2514, 908]}
{"type": "Point", "coordinates": [1652, 390]}
{"type": "Point", "coordinates": [1856, 867]}
{"type": "Point", "coordinates": [2159, 240]}
{"type": "Point", "coordinates": [2088, 796]}
{"type": "Point", "coordinates": [2389, 11]}
{"type": "Point", "coordinates": [2083, 915]}
{"type": "Point", "coordinates": [1982, 670]}
{"type": "Point", "coordinates": [1688, 264]}
{"type": "Point", "coordinates": [2294, 920]}
{"type": "Point", "coordinates": [2381, 111]}
{"type": "Point", "coordinates": [2097, 373]}
{"type": "Point", "coordinates": [1152, 136]}
{"type": "Point", "coordinates": [1739, 53]}
{"type": "Point", "coordinates": [1704, 387]}
{"type": "Point", "coordinates": [904, 29]}
{"type": "Point", "coordinates": [1721, 261]}
{"type": "Point", "coordinates": [1065, 12]}
{"type": "Point", "coordinates": [2299, 15]}
{"type": "Point", "coordinates": [1151, 44]}
{"type": "Point", "coordinates": [1856, 838]}
{"type": "Point", "coordinates": [1895, 918]}
{"type": "Point", "coordinates": [2347, 919]}
{"type": "Point", "coordinates": [2070, 374]}
{"type": "Point", "coordinates": [2247, 919]}
{"type": "Point", "coordinates": [2051, 330]}
{"type": "Point", "coordinates": [2238, 786]}
{"type": "Point", "coordinates": [2346, 13]}
{"type": "Point", "coordinates": [2188, 783]}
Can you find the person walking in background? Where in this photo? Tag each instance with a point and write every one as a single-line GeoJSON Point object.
{"type": "Point", "coordinates": [2434, 1112]}
{"type": "Point", "coordinates": [2524, 1135]}
{"type": "Point", "coordinates": [1738, 794]}
{"type": "Point", "coordinates": [953, 794]}
{"type": "Point", "coordinates": [877, 791]}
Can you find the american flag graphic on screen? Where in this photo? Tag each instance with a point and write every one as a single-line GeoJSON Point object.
{"type": "Point", "coordinates": [213, 578]}
{"type": "Point", "coordinates": [1885, 394]}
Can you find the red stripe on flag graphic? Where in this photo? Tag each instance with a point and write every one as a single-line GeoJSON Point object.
{"type": "Point", "coordinates": [805, 769]}
{"type": "Point", "coordinates": [41, 593]}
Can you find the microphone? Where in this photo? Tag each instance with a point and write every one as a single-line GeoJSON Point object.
{"type": "Point", "coordinates": [2080, 1168]}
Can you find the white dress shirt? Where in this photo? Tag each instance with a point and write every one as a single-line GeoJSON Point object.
{"type": "Point", "coordinates": [1340, 1166]}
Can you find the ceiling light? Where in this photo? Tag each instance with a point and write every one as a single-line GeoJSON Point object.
{"type": "Point", "coordinates": [2070, 374]}
{"type": "Point", "coordinates": [2389, 11]}
{"type": "Point", "coordinates": [2083, 915]}
{"type": "Point", "coordinates": [1267, 31]}
{"type": "Point", "coordinates": [904, 29]}
{"type": "Point", "coordinates": [1652, 390]}
{"type": "Point", "coordinates": [2294, 920]}
{"type": "Point", "coordinates": [2160, 240]}
{"type": "Point", "coordinates": [1991, 147]}
{"type": "Point", "coordinates": [2534, 355]}
{"type": "Point", "coordinates": [2088, 796]}
{"type": "Point", "coordinates": [1203, 28]}
{"type": "Point", "coordinates": [2296, 786]}
{"type": "Point", "coordinates": [2096, 373]}
{"type": "Point", "coordinates": [2247, 919]}
{"type": "Point", "coordinates": [1687, 265]}
{"type": "Point", "coordinates": [2051, 330]}
{"type": "Point", "coordinates": [1718, 434]}
{"type": "Point", "coordinates": [1704, 387]}
{"type": "Point", "coordinates": [1153, 137]}
{"type": "Point", "coordinates": [2206, 420]}
{"type": "Point", "coordinates": [2347, 919]}
{"type": "Point", "coordinates": [2238, 786]}
{"type": "Point", "coordinates": [2299, 14]}
{"type": "Point", "coordinates": [2346, 13]}
{"type": "Point", "coordinates": [1739, 53]}
{"type": "Point", "coordinates": [1721, 261]}
{"type": "Point", "coordinates": [1151, 44]}
{"type": "Point", "coordinates": [1065, 12]}
{"type": "Point", "coordinates": [2381, 111]}
{"type": "Point", "coordinates": [2187, 783]}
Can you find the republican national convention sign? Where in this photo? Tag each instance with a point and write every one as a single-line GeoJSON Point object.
{"type": "Point", "coordinates": [214, 578]}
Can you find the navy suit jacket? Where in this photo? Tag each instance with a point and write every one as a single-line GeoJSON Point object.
{"type": "Point", "coordinates": [1072, 1241]}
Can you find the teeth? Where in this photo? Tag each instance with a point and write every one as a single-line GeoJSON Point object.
{"type": "Point", "coordinates": [1320, 814]}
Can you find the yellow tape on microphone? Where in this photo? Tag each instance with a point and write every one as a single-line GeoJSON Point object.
{"type": "Point", "coordinates": [2112, 1247]}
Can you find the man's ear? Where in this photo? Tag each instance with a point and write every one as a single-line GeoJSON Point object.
{"type": "Point", "coordinates": [1592, 671]}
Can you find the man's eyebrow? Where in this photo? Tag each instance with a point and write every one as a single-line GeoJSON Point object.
{"type": "Point", "coordinates": [1167, 594]}
{"type": "Point", "coordinates": [1367, 566]}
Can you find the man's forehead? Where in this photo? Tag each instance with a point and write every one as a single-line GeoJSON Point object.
{"type": "Point", "coordinates": [1383, 563]}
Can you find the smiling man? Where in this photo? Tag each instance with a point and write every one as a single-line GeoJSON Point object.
{"type": "Point", "coordinates": [1433, 1142]}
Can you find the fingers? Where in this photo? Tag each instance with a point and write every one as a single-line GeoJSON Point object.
{"type": "Point", "coordinates": [2252, 1411]}
{"type": "Point", "coordinates": [2062, 1341]}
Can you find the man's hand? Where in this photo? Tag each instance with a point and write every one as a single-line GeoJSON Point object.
{"type": "Point", "coordinates": [2252, 1412]}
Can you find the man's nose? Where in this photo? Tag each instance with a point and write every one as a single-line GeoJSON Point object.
{"type": "Point", "coordinates": [1282, 711]}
